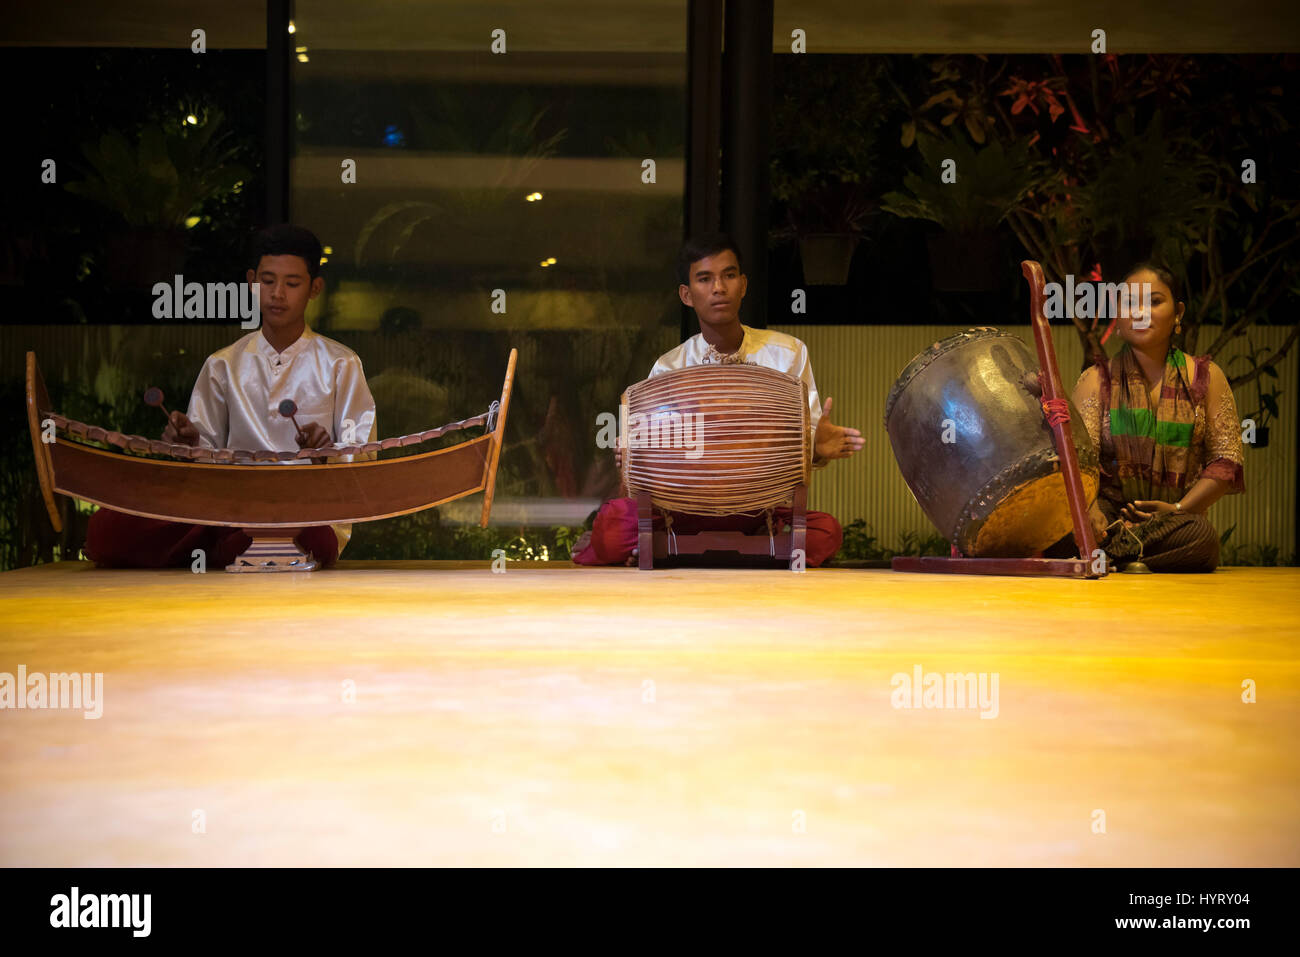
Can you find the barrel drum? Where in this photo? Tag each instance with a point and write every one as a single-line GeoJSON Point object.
{"type": "Point", "coordinates": [968, 431]}
{"type": "Point", "coordinates": [716, 439]}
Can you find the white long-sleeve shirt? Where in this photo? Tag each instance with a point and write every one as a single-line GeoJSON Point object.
{"type": "Point", "coordinates": [236, 399]}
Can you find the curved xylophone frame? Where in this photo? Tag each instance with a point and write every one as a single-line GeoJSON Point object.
{"type": "Point", "coordinates": [272, 505]}
{"type": "Point", "coordinates": [1056, 413]}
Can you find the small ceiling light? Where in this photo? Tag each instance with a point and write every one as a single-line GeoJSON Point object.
{"type": "Point", "coordinates": [328, 250]}
{"type": "Point", "coordinates": [193, 221]}
{"type": "Point", "coordinates": [533, 197]}
{"type": "Point", "coordinates": [302, 58]}
{"type": "Point", "coordinates": [550, 261]}
{"type": "Point", "coordinates": [324, 260]}
{"type": "Point", "coordinates": [292, 28]}
{"type": "Point", "coordinates": [192, 120]}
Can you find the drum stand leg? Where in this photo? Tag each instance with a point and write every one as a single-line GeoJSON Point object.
{"type": "Point", "coordinates": [771, 544]}
{"type": "Point", "coordinates": [645, 532]}
{"type": "Point", "coordinates": [799, 525]}
{"type": "Point", "coordinates": [274, 550]}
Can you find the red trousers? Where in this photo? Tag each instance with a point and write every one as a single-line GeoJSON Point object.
{"type": "Point", "coordinates": [614, 532]}
{"type": "Point", "coordinates": [117, 540]}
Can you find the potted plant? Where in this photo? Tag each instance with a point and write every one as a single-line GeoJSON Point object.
{"type": "Point", "coordinates": [1266, 400]}
{"type": "Point", "coordinates": [827, 223]}
{"type": "Point", "coordinates": [986, 186]}
{"type": "Point", "coordinates": [824, 157]}
{"type": "Point", "coordinates": [156, 185]}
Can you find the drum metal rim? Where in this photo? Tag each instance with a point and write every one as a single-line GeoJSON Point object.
{"type": "Point", "coordinates": [923, 359]}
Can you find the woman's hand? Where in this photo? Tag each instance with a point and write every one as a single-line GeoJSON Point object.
{"type": "Point", "coordinates": [1142, 510]}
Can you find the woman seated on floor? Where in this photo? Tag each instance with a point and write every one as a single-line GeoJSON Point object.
{"type": "Point", "coordinates": [1170, 440]}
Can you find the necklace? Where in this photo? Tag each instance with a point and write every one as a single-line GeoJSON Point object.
{"type": "Point", "coordinates": [725, 358]}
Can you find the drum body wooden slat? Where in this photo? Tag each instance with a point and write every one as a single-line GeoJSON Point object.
{"type": "Point", "coordinates": [716, 439]}
{"type": "Point", "coordinates": [995, 489]}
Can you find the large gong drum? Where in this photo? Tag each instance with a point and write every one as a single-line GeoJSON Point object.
{"type": "Point", "coordinates": [717, 439]}
{"type": "Point", "coordinates": [970, 437]}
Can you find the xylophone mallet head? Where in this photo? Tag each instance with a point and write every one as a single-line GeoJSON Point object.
{"type": "Point", "coordinates": [154, 396]}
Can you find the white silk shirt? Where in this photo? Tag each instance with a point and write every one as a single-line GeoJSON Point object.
{"type": "Point", "coordinates": [236, 399]}
{"type": "Point", "coordinates": [760, 347]}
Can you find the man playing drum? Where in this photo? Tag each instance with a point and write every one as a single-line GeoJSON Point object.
{"type": "Point", "coordinates": [713, 284]}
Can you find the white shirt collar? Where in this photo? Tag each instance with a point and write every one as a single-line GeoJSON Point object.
{"type": "Point", "coordinates": [268, 350]}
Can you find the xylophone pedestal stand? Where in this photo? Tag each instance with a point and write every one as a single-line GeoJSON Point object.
{"type": "Point", "coordinates": [652, 544]}
{"type": "Point", "coordinates": [274, 550]}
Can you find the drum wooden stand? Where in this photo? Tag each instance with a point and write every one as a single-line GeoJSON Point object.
{"type": "Point", "coordinates": [781, 546]}
{"type": "Point", "coordinates": [1050, 379]}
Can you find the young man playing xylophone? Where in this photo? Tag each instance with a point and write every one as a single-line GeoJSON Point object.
{"type": "Point", "coordinates": [235, 404]}
{"type": "Point", "coordinates": [713, 284]}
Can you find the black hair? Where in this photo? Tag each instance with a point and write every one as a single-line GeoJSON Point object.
{"type": "Point", "coordinates": [1165, 275]}
{"type": "Point", "coordinates": [288, 240]}
{"type": "Point", "coordinates": [701, 247]}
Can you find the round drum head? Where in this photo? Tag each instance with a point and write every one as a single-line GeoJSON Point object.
{"type": "Point", "coordinates": [1031, 518]}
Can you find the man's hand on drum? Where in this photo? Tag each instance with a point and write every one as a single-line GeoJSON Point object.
{"type": "Point", "coordinates": [835, 441]}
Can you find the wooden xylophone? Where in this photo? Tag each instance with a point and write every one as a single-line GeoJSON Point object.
{"type": "Point", "coordinates": [233, 487]}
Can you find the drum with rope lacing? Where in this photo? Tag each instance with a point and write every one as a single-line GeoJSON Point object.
{"type": "Point", "coordinates": [716, 439]}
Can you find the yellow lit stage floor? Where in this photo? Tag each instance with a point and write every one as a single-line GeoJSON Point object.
{"type": "Point", "coordinates": [558, 715]}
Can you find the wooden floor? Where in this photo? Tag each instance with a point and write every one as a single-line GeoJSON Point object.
{"type": "Point", "coordinates": [557, 715]}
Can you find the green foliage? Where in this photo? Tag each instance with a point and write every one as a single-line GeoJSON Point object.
{"type": "Point", "coordinates": [860, 544]}
{"type": "Point", "coordinates": [165, 177]}
{"type": "Point", "coordinates": [990, 183]}
{"type": "Point", "coordinates": [1265, 556]}
{"type": "Point", "coordinates": [1261, 360]}
{"type": "Point", "coordinates": [1144, 189]}
{"type": "Point", "coordinates": [827, 125]}
{"type": "Point", "coordinates": [422, 536]}
{"type": "Point", "coordinates": [828, 129]}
